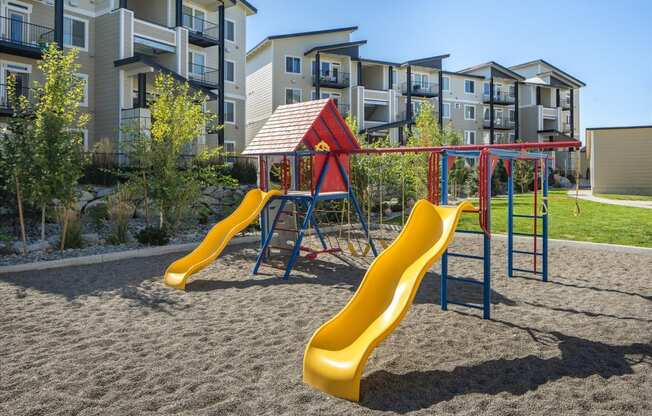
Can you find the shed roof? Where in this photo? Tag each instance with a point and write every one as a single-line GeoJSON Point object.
{"type": "Point", "coordinates": [306, 123]}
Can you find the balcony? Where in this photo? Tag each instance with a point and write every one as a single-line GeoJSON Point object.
{"type": "Point", "coordinates": [201, 32]}
{"type": "Point", "coordinates": [24, 39]}
{"type": "Point", "coordinates": [333, 79]}
{"type": "Point", "coordinates": [421, 89]}
{"type": "Point", "coordinates": [564, 103]}
{"type": "Point", "coordinates": [500, 98]}
{"type": "Point", "coordinates": [6, 108]}
{"type": "Point", "coordinates": [204, 76]}
{"type": "Point", "coordinates": [500, 124]}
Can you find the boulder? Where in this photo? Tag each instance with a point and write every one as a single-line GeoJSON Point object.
{"type": "Point", "coordinates": [101, 192]}
{"type": "Point", "coordinates": [91, 238]}
{"type": "Point", "coordinates": [94, 203]}
{"type": "Point", "coordinates": [564, 182]}
{"type": "Point", "coordinates": [85, 196]}
{"type": "Point", "coordinates": [38, 246]}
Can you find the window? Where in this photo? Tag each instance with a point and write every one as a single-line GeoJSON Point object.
{"type": "Point", "coordinates": [486, 88]}
{"type": "Point", "coordinates": [445, 84]}
{"type": "Point", "coordinates": [229, 30]}
{"type": "Point", "coordinates": [446, 110]}
{"type": "Point", "coordinates": [419, 80]}
{"type": "Point", "coordinates": [229, 71]}
{"type": "Point", "coordinates": [512, 116]}
{"type": "Point", "coordinates": [469, 86]}
{"type": "Point", "coordinates": [229, 148]}
{"type": "Point", "coordinates": [292, 95]}
{"type": "Point", "coordinates": [196, 63]}
{"type": "Point", "coordinates": [485, 137]}
{"type": "Point", "coordinates": [511, 90]}
{"type": "Point", "coordinates": [194, 19]}
{"type": "Point", "coordinates": [335, 96]}
{"type": "Point", "coordinates": [74, 32]}
{"type": "Point", "coordinates": [499, 115]}
{"type": "Point", "coordinates": [292, 65]}
{"type": "Point", "coordinates": [84, 78]}
{"type": "Point", "coordinates": [469, 137]}
{"type": "Point", "coordinates": [512, 137]}
{"type": "Point", "coordinates": [229, 112]}
{"type": "Point", "coordinates": [486, 115]}
{"type": "Point", "coordinates": [469, 112]}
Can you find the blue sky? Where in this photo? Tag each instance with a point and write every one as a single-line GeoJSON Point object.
{"type": "Point", "coordinates": [607, 44]}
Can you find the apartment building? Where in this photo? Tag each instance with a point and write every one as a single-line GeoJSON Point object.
{"type": "Point", "coordinates": [123, 45]}
{"type": "Point", "coordinates": [487, 103]}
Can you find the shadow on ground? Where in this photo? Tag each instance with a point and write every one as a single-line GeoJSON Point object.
{"type": "Point", "coordinates": [578, 358]}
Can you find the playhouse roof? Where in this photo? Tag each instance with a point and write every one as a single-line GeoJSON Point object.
{"type": "Point", "coordinates": [306, 123]}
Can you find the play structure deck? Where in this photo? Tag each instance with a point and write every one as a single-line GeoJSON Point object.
{"type": "Point", "coordinates": [314, 135]}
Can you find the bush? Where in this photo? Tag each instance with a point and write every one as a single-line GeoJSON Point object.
{"type": "Point", "coordinates": [244, 172]}
{"type": "Point", "coordinates": [73, 235]}
{"type": "Point", "coordinates": [120, 210]}
{"type": "Point", "coordinates": [98, 214]}
{"type": "Point", "coordinates": [153, 236]}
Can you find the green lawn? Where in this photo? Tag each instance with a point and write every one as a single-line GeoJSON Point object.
{"type": "Point", "coordinates": [599, 223]}
{"type": "Point", "coordinates": [626, 197]}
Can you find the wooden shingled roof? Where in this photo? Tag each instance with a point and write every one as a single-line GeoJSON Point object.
{"type": "Point", "coordinates": [307, 123]}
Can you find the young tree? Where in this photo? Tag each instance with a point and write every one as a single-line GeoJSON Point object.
{"type": "Point", "coordinates": [16, 156]}
{"type": "Point", "coordinates": [58, 143]}
{"type": "Point", "coordinates": [178, 118]}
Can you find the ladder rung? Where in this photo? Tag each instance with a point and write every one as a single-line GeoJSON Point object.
{"type": "Point", "coordinates": [464, 280]}
{"type": "Point", "coordinates": [527, 252]}
{"type": "Point", "coordinates": [468, 305]}
{"type": "Point", "coordinates": [466, 256]}
{"type": "Point", "coordinates": [527, 216]}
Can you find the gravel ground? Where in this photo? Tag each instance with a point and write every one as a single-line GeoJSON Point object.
{"type": "Point", "coordinates": [111, 339]}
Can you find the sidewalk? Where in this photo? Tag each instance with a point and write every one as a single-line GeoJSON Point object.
{"type": "Point", "coordinates": [586, 195]}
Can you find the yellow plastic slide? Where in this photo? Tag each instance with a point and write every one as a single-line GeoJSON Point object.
{"type": "Point", "coordinates": [338, 350]}
{"type": "Point", "coordinates": [217, 238]}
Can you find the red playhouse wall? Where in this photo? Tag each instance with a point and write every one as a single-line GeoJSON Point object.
{"type": "Point", "coordinates": [333, 182]}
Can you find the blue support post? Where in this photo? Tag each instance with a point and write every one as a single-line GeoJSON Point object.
{"type": "Point", "coordinates": [268, 237]}
{"type": "Point", "coordinates": [545, 222]}
{"type": "Point", "coordinates": [443, 283]}
{"type": "Point", "coordinates": [486, 282]}
{"type": "Point", "coordinates": [510, 220]}
{"type": "Point", "coordinates": [306, 220]}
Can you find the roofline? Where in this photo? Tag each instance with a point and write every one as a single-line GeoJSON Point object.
{"type": "Point", "coordinates": [292, 35]}
{"type": "Point", "coordinates": [249, 6]}
{"type": "Point", "coordinates": [376, 61]}
{"type": "Point", "coordinates": [564, 73]}
{"type": "Point", "coordinates": [417, 61]}
{"type": "Point", "coordinates": [462, 75]}
{"type": "Point", "coordinates": [498, 66]}
{"type": "Point", "coordinates": [335, 46]}
{"type": "Point", "coordinates": [619, 127]}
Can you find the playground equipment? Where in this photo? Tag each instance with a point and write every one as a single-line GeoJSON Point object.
{"type": "Point", "coordinates": [217, 238]}
{"type": "Point", "coordinates": [338, 350]}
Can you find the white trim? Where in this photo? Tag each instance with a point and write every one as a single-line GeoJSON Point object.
{"type": "Point", "coordinates": [27, 70]}
{"type": "Point", "coordinates": [285, 98]}
{"type": "Point", "coordinates": [86, 32]}
{"type": "Point", "coordinates": [453, 100]}
{"type": "Point", "coordinates": [474, 90]}
{"type": "Point", "coordinates": [234, 72]}
{"type": "Point", "coordinates": [234, 112]}
{"type": "Point", "coordinates": [235, 38]}
{"type": "Point", "coordinates": [474, 111]}
{"type": "Point", "coordinates": [467, 133]}
{"type": "Point", "coordinates": [443, 112]}
{"type": "Point", "coordinates": [235, 96]}
{"type": "Point", "coordinates": [155, 26]}
{"type": "Point", "coordinates": [84, 102]}
{"type": "Point", "coordinates": [285, 65]}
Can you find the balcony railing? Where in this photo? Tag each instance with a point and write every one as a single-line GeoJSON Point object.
{"type": "Point", "coordinates": [500, 123]}
{"type": "Point", "coordinates": [6, 106]}
{"type": "Point", "coordinates": [334, 79]}
{"type": "Point", "coordinates": [21, 33]}
{"type": "Point", "coordinates": [200, 31]}
{"type": "Point", "coordinates": [564, 103]}
{"type": "Point", "coordinates": [204, 75]}
{"type": "Point", "coordinates": [421, 89]}
{"type": "Point", "coordinates": [500, 97]}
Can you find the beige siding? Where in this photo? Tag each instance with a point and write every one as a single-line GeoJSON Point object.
{"type": "Point", "coordinates": [259, 90]}
{"type": "Point", "coordinates": [620, 160]}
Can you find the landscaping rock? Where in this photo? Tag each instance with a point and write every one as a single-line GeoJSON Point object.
{"type": "Point", "coordinates": [103, 192]}
{"type": "Point", "coordinates": [564, 182]}
{"type": "Point", "coordinates": [86, 196]}
{"type": "Point", "coordinates": [6, 249]}
{"type": "Point", "coordinates": [94, 203]}
{"type": "Point", "coordinates": [39, 246]}
{"type": "Point", "coordinates": [91, 238]}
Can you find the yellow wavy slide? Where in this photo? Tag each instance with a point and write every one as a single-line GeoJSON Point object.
{"type": "Point", "coordinates": [217, 238]}
{"type": "Point", "coordinates": [337, 352]}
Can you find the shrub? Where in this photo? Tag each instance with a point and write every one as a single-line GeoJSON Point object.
{"type": "Point", "coordinates": [120, 210]}
{"type": "Point", "coordinates": [153, 236]}
{"type": "Point", "coordinates": [244, 172]}
{"type": "Point", "coordinates": [69, 218]}
{"type": "Point", "coordinates": [98, 214]}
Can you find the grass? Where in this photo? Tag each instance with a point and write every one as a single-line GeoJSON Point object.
{"type": "Point", "coordinates": [597, 222]}
{"type": "Point", "coordinates": [626, 197]}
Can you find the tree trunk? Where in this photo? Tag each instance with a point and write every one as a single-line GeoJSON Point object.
{"type": "Point", "coordinates": [146, 200]}
{"type": "Point", "coordinates": [21, 217]}
{"type": "Point", "coordinates": [43, 222]}
{"type": "Point", "coordinates": [65, 229]}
